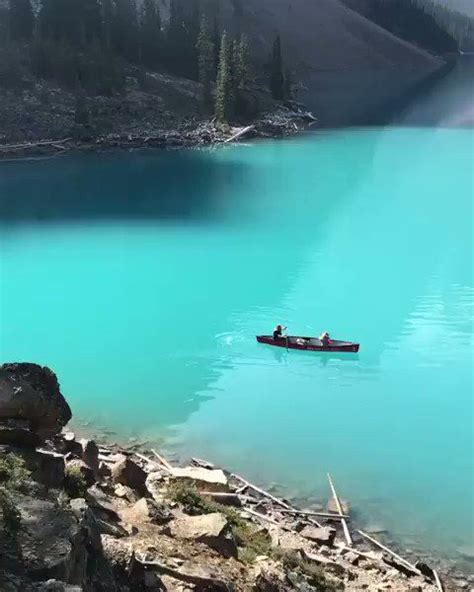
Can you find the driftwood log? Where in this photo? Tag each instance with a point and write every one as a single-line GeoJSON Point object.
{"type": "Point", "coordinates": [409, 565]}
{"type": "Point", "coordinates": [345, 528]}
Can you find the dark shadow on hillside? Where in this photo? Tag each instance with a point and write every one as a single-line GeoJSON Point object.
{"type": "Point", "coordinates": [398, 97]}
{"type": "Point", "coordinates": [143, 185]}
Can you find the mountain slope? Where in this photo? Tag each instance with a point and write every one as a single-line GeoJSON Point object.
{"type": "Point", "coordinates": [348, 65]}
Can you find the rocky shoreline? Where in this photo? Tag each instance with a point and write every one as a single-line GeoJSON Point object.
{"type": "Point", "coordinates": [284, 122]}
{"type": "Point", "coordinates": [76, 515]}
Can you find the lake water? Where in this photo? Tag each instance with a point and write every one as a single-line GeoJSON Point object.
{"type": "Point", "coordinates": [142, 280]}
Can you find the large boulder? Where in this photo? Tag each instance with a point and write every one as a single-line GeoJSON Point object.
{"type": "Point", "coordinates": [212, 530]}
{"type": "Point", "coordinates": [127, 472]}
{"type": "Point", "coordinates": [31, 393]}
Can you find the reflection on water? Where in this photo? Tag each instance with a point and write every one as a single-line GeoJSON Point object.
{"type": "Point", "coordinates": [146, 277]}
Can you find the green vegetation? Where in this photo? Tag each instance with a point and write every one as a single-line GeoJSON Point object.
{"type": "Point", "coordinates": [224, 98]}
{"type": "Point", "coordinates": [74, 481]}
{"type": "Point", "coordinates": [93, 45]}
{"type": "Point", "coordinates": [251, 540]}
{"type": "Point", "coordinates": [205, 49]}
{"type": "Point", "coordinates": [277, 79]}
{"type": "Point", "coordinates": [13, 475]}
{"type": "Point", "coordinates": [315, 574]}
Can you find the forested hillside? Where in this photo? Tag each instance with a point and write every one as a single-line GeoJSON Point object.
{"type": "Point", "coordinates": [435, 26]}
{"type": "Point", "coordinates": [133, 66]}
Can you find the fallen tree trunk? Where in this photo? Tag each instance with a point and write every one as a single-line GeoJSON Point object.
{"type": "Point", "coordinates": [390, 552]}
{"type": "Point", "coordinates": [240, 133]}
{"type": "Point", "coordinates": [183, 576]}
{"type": "Point", "coordinates": [55, 143]}
{"type": "Point", "coordinates": [345, 528]}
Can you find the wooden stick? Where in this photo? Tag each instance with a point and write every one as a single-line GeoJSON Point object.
{"type": "Point", "coordinates": [345, 528]}
{"type": "Point", "coordinates": [320, 514]}
{"type": "Point", "coordinates": [357, 552]}
{"type": "Point", "coordinates": [270, 496]}
{"type": "Point", "coordinates": [32, 144]}
{"type": "Point", "coordinates": [266, 519]}
{"type": "Point", "coordinates": [184, 576]}
{"type": "Point", "coordinates": [163, 461]}
{"type": "Point", "coordinates": [240, 133]}
{"type": "Point", "coordinates": [262, 492]}
{"type": "Point", "coordinates": [146, 459]}
{"type": "Point", "coordinates": [438, 581]}
{"type": "Point", "coordinates": [390, 552]}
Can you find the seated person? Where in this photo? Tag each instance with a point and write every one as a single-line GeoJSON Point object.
{"type": "Point", "coordinates": [278, 333]}
{"type": "Point", "coordinates": [325, 339]}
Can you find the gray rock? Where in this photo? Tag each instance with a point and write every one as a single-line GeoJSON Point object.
{"type": "Point", "coordinates": [127, 472]}
{"type": "Point", "coordinates": [323, 536]}
{"type": "Point", "coordinates": [352, 558]}
{"type": "Point", "coordinates": [127, 493]}
{"type": "Point", "coordinates": [30, 392]}
{"type": "Point", "coordinates": [18, 432]}
{"type": "Point", "coordinates": [204, 479]}
{"type": "Point", "coordinates": [46, 467]}
{"type": "Point", "coordinates": [147, 510]}
{"type": "Point", "coordinates": [90, 454]}
{"type": "Point", "coordinates": [212, 530]}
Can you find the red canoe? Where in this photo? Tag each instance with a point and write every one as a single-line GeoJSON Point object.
{"type": "Point", "coordinates": [309, 344]}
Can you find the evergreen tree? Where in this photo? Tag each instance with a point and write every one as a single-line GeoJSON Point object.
{"type": "Point", "coordinates": [151, 33]}
{"type": "Point", "coordinates": [90, 20]}
{"type": "Point", "coordinates": [205, 50]}
{"type": "Point", "coordinates": [216, 39]}
{"type": "Point", "coordinates": [276, 71]}
{"type": "Point", "coordinates": [108, 17]}
{"type": "Point", "coordinates": [125, 29]}
{"type": "Point", "coordinates": [21, 20]}
{"type": "Point", "coordinates": [224, 88]}
{"type": "Point", "coordinates": [288, 86]}
{"type": "Point", "coordinates": [241, 75]}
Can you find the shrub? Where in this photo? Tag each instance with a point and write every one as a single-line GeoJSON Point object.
{"type": "Point", "coordinates": [74, 481]}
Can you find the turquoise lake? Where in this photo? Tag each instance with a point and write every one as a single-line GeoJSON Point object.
{"type": "Point", "coordinates": [143, 278]}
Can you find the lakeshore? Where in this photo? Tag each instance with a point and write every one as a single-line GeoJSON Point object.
{"type": "Point", "coordinates": [140, 521]}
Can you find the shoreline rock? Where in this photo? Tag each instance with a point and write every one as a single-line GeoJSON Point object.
{"type": "Point", "coordinates": [148, 525]}
{"type": "Point", "coordinates": [284, 122]}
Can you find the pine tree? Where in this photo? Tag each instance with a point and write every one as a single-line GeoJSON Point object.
{"type": "Point", "coordinates": [224, 89]}
{"type": "Point", "coordinates": [288, 86]}
{"type": "Point", "coordinates": [125, 29]}
{"type": "Point", "coordinates": [205, 51]}
{"type": "Point", "coordinates": [151, 33]}
{"type": "Point", "coordinates": [216, 39]}
{"type": "Point", "coordinates": [276, 71]}
{"type": "Point", "coordinates": [21, 20]}
{"type": "Point", "coordinates": [241, 75]}
{"type": "Point", "coordinates": [107, 23]}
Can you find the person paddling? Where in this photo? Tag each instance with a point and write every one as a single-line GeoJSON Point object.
{"type": "Point", "coordinates": [278, 332]}
{"type": "Point", "coordinates": [325, 339]}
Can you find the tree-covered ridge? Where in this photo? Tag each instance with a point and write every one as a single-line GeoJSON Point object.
{"type": "Point", "coordinates": [410, 20]}
{"type": "Point", "coordinates": [426, 23]}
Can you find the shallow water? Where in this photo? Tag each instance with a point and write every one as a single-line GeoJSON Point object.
{"type": "Point", "coordinates": [142, 279]}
